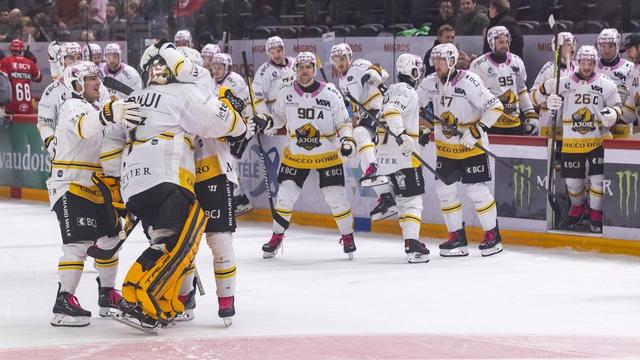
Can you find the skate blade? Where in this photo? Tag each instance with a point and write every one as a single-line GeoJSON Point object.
{"type": "Point", "coordinates": [187, 315]}
{"type": "Point", "coordinates": [379, 181]}
{"type": "Point", "coordinates": [415, 258]}
{"type": "Point", "coordinates": [350, 256]}
{"type": "Point", "coordinates": [459, 251]}
{"type": "Point", "coordinates": [391, 212]}
{"type": "Point", "coordinates": [120, 317]}
{"type": "Point", "coordinates": [227, 321]}
{"type": "Point", "coordinates": [268, 255]}
{"type": "Point", "coordinates": [492, 251]}
{"type": "Point", "coordinates": [106, 312]}
{"type": "Point", "coordinates": [63, 320]}
{"type": "Point", "coordinates": [241, 210]}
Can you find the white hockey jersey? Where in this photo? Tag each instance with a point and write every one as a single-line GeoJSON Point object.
{"type": "Point", "coordinates": [400, 111]}
{"type": "Point", "coordinates": [267, 83]}
{"type": "Point", "coordinates": [49, 105]}
{"type": "Point", "coordinates": [506, 81]}
{"type": "Point", "coordinates": [629, 114]}
{"type": "Point", "coordinates": [546, 117]}
{"type": "Point", "coordinates": [351, 82]}
{"type": "Point", "coordinates": [162, 148]}
{"type": "Point", "coordinates": [619, 73]}
{"type": "Point", "coordinates": [463, 101]}
{"type": "Point", "coordinates": [235, 82]}
{"type": "Point", "coordinates": [79, 135]}
{"type": "Point", "coordinates": [125, 74]}
{"type": "Point", "coordinates": [583, 101]}
{"type": "Point", "coordinates": [315, 123]}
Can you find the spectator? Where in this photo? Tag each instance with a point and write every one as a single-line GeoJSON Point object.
{"type": "Point", "coordinates": [66, 12]}
{"type": "Point", "coordinates": [445, 17]}
{"type": "Point", "coordinates": [98, 11]}
{"type": "Point", "coordinates": [112, 13]}
{"type": "Point", "coordinates": [446, 35]}
{"type": "Point", "coordinates": [87, 35]}
{"type": "Point", "coordinates": [132, 13]}
{"type": "Point", "coordinates": [4, 23]}
{"type": "Point", "coordinates": [185, 13]}
{"type": "Point", "coordinates": [631, 46]}
{"type": "Point", "coordinates": [499, 14]}
{"type": "Point", "coordinates": [471, 21]}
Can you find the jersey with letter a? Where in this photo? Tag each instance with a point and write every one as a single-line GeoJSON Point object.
{"type": "Point", "coordinates": [367, 95]}
{"type": "Point", "coordinates": [583, 101]}
{"type": "Point", "coordinates": [463, 101]}
{"type": "Point", "coordinates": [267, 83]}
{"type": "Point", "coordinates": [315, 123]}
{"type": "Point", "coordinates": [506, 81]}
{"type": "Point", "coordinates": [21, 72]}
{"type": "Point", "coordinates": [619, 73]}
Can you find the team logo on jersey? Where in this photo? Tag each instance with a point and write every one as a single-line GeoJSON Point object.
{"type": "Point", "coordinates": [583, 121]}
{"type": "Point", "coordinates": [509, 101]}
{"type": "Point", "coordinates": [449, 130]}
{"type": "Point", "coordinates": [308, 137]}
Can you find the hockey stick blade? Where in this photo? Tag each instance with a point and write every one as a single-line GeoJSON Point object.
{"type": "Point", "coordinates": [106, 254]}
{"type": "Point", "coordinates": [552, 22]}
{"type": "Point", "coordinates": [117, 85]}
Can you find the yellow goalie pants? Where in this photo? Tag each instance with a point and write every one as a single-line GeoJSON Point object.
{"type": "Point", "coordinates": [154, 280]}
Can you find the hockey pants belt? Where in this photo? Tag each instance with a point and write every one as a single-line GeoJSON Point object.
{"type": "Point", "coordinates": [155, 278]}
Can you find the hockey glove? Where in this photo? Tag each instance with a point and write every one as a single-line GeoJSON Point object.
{"type": "Point", "coordinates": [264, 124]}
{"type": "Point", "coordinates": [53, 50]}
{"type": "Point", "coordinates": [251, 129]}
{"type": "Point", "coordinates": [406, 144]}
{"type": "Point", "coordinates": [608, 116]}
{"type": "Point", "coordinates": [227, 96]}
{"type": "Point", "coordinates": [153, 51]}
{"type": "Point", "coordinates": [531, 123]}
{"type": "Point", "coordinates": [425, 136]}
{"type": "Point", "coordinates": [623, 91]}
{"type": "Point", "coordinates": [373, 76]}
{"type": "Point", "coordinates": [348, 147]}
{"type": "Point", "coordinates": [121, 111]}
{"type": "Point", "coordinates": [472, 135]}
{"type": "Point", "coordinates": [50, 144]}
{"type": "Point", "coordinates": [554, 102]}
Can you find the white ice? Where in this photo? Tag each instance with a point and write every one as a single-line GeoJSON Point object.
{"type": "Point", "coordinates": [312, 289]}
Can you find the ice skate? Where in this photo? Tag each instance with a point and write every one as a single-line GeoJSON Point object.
{"type": "Point", "coordinates": [226, 309]}
{"type": "Point", "coordinates": [492, 243]}
{"type": "Point", "coordinates": [596, 221]}
{"type": "Point", "coordinates": [68, 312]}
{"type": "Point", "coordinates": [385, 207]}
{"type": "Point", "coordinates": [371, 177]}
{"type": "Point", "coordinates": [270, 248]}
{"type": "Point", "coordinates": [416, 251]}
{"type": "Point", "coordinates": [243, 205]}
{"type": "Point", "coordinates": [189, 302]}
{"type": "Point", "coordinates": [108, 300]}
{"type": "Point", "coordinates": [348, 244]}
{"type": "Point", "coordinates": [456, 245]}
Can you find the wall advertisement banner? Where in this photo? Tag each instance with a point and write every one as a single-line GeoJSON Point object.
{"type": "Point", "coordinates": [24, 162]}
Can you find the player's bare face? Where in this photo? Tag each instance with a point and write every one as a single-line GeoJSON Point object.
{"type": "Point", "coordinates": [206, 61]}
{"type": "Point", "coordinates": [97, 58]}
{"type": "Point", "coordinates": [277, 55]}
{"type": "Point", "coordinates": [180, 43]}
{"type": "Point", "coordinates": [304, 73]}
{"type": "Point", "coordinates": [586, 68]}
{"type": "Point", "coordinates": [632, 54]}
{"type": "Point", "coordinates": [440, 65]}
{"type": "Point", "coordinates": [566, 51]}
{"type": "Point", "coordinates": [340, 63]}
{"type": "Point", "coordinates": [502, 45]}
{"type": "Point", "coordinates": [91, 88]}
{"type": "Point", "coordinates": [218, 71]}
{"type": "Point", "coordinates": [608, 50]}
{"type": "Point", "coordinates": [113, 61]}
{"type": "Point", "coordinates": [72, 59]}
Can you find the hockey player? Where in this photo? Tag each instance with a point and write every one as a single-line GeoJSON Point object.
{"type": "Point", "coordinates": [78, 204]}
{"type": "Point", "coordinates": [361, 79]}
{"type": "Point", "coordinates": [223, 76]}
{"type": "Point", "coordinates": [617, 70]}
{"type": "Point", "coordinates": [114, 67]}
{"type": "Point", "coordinates": [183, 38]}
{"type": "Point", "coordinates": [504, 74]}
{"type": "Point", "coordinates": [591, 105]}
{"type": "Point", "coordinates": [62, 55]}
{"type": "Point", "coordinates": [207, 53]}
{"type": "Point", "coordinates": [21, 72]}
{"type": "Point", "coordinates": [462, 101]}
{"type": "Point", "coordinates": [272, 75]}
{"type": "Point", "coordinates": [319, 131]}
{"type": "Point", "coordinates": [567, 50]}
{"type": "Point", "coordinates": [400, 111]}
{"type": "Point", "coordinates": [92, 52]}
{"type": "Point", "coordinates": [160, 189]}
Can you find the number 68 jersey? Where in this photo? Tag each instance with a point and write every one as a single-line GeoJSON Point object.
{"type": "Point", "coordinates": [315, 122]}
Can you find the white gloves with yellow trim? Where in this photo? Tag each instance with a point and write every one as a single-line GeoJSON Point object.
{"type": "Point", "coordinates": [124, 111]}
{"type": "Point", "coordinates": [407, 144]}
{"type": "Point", "coordinates": [472, 135]}
{"type": "Point", "coordinates": [554, 102]}
{"type": "Point", "coordinates": [608, 116]}
{"type": "Point", "coordinates": [53, 50]}
{"type": "Point", "coordinates": [154, 50]}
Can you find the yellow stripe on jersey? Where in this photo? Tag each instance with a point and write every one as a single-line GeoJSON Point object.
{"type": "Point", "coordinates": [391, 113]}
{"type": "Point", "coordinates": [178, 66]}
{"type": "Point", "coordinates": [77, 165]}
{"type": "Point", "coordinates": [91, 193]}
{"type": "Point", "coordinates": [110, 154]}
{"type": "Point", "coordinates": [234, 122]}
{"type": "Point", "coordinates": [580, 145]}
{"type": "Point", "coordinates": [187, 178]}
{"type": "Point", "coordinates": [103, 264]}
{"type": "Point", "coordinates": [79, 126]}
{"type": "Point", "coordinates": [311, 161]}
{"type": "Point", "coordinates": [370, 99]}
{"type": "Point", "coordinates": [456, 151]}
{"type": "Point", "coordinates": [365, 147]}
{"type": "Point", "coordinates": [207, 168]}
{"type": "Point", "coordinates": [189, 142]}
{"type": "Point", "coordinates": [70, 265]}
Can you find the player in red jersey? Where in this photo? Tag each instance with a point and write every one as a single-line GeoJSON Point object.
{"type": "Point", "coordinates": [21, 72]}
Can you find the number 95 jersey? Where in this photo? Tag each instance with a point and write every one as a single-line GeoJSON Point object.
{"type": "Point", "coordinates": [315, 122]}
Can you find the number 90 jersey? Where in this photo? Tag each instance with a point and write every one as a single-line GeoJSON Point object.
{"type": "Point", "coordinates": [315, 122]}
{"type": "Point", "coordinates": [463, 101]}
{"type": "Point", "coordinates": [506, 81]}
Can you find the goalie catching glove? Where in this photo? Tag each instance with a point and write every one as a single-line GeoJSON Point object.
{"type": "Point", "coordinates": [121, 111]}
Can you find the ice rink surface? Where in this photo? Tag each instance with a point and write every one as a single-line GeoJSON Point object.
{"type": "Point", "coordinates": [311, 303]}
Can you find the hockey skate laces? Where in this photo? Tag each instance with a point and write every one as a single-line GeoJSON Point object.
{"type": "Point", "coordinates": [73, 301]}
{"type": "Point", "coordinates": [225, 302]}
{"type": "Point", "coordinates": [114, 297]}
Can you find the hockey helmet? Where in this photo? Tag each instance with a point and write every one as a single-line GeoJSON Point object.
{"type": "Point", "coordinates": [448, 52]}
{"type": "Point", "coordinates": [76, 73]}
{"type": "Point", "coordinates": [183, 38]}
{"type": "Point", "coordinates": [113, 48]}
{"type": "Point", "coordinates": [16, 45]}
{"type": "Point", "coordinates": [407, 64]}
{"type": "Point", "coordinates": [564, 38]}
{"type": "Point", "coordinates": [222, 58]}
{"type": "Point", "coordinates": [496, 32]}
{"type": "Point", "coordinates": [69, 49]}
{"type": "Point", "coordinates": [272, 43]}
{"type": "Point", "coordinates": [95, 50]}
{"type": "Point", "coordinates": [342, 49]}
{"type": "Point", "coordinates": [608, 36]}
{"type": "Point", "coordinates": [209, 50]}
{"type": "Point", "coordinates": [587, 52]}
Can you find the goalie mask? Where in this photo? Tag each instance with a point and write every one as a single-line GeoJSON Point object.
{"type": "Point", "coordinates": [76, 73]}
{"type": "Point", "coordinates": [157, 72]}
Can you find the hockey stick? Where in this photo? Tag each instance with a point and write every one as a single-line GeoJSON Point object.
{"type": "Point", "coordinates": [117, 85]}
{"type": "Point", "coordinates": [553, 201]}
{"type": "Point", "coordinates": [198, 281]}
{"type": "Point", "coordinates": [381, 124]}
{"type": "Point", "coordinates": [554, 129]}
{"type": "Point", "coordinates": [276, 217]}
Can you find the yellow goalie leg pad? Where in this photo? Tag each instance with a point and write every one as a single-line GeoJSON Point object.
{"type": "Point", "coordinates": [155, 278]}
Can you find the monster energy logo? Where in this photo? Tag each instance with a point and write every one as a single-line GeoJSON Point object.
{"type": "Point", "coordinates": [626, 190]}
{"type": "Point", "coordinates": [520, 185]}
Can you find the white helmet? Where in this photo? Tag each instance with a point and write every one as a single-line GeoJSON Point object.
{"type": "Point", "coordinates": [209, 50]}
{"type": "Point", "coordinates": [407, 64]}
{"type": "Point", "coordinates": [610, 35]}
{"type": "Point", "coordinates": [95, 50]}
{"type": "Point", "coordinates": [182, 36]}
{"type": "Point", "coordinates": [222, 58]}
{"type": "Point", "coordinates": [77, 72]}
{"type": "Point", "coordinates": [449, 52]}
{"type": "Point", "coordinates": [113, 48]}
{"type": "Point", "coordinates": [192, 54]}
{"type": "Point", "coordinates": [273, 42]}
{"type": "Point", "coordinates": [69, 49]}
{"type": "Point", "coordinates": [496, 32]}
{"type": "Point", "coordinates": [564, 38]}
{"type": "Point", "coordinates": [587, 52]}
{"type": "Point", "coordinates": [342, 49]}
